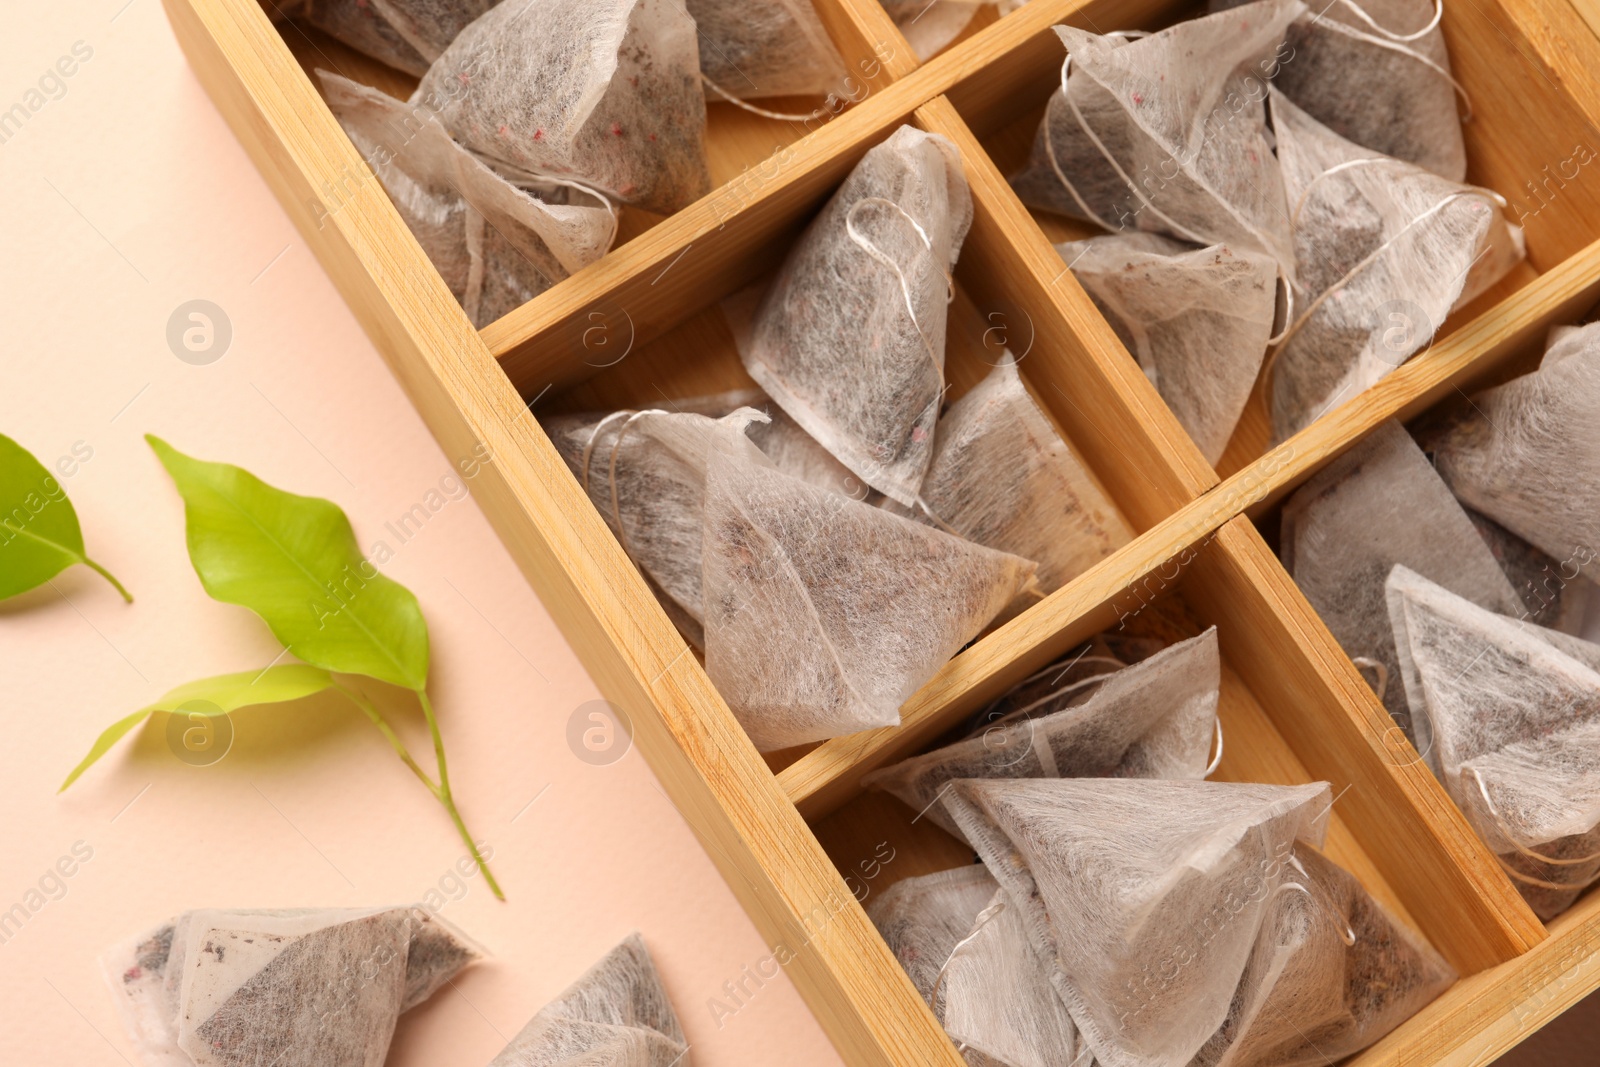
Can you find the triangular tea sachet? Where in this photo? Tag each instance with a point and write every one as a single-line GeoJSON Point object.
{"type": "Point", "coordinates": [751, 49]}
{"type": "Point", "coordinates": [406, 34]}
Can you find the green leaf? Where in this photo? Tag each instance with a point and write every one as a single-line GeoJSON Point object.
{"type": "Point", "coordinates": [294, 561]}
{"type": "Point", "coordinates": [226, 693]}
{"type": "Point", "coordinates": [39, 533]}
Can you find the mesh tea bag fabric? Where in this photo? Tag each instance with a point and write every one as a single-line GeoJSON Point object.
{"type": "Point", "coordinates": [824, 614]}
{"type": "Point", "coordinates": [602, 92]}
{"type": "Point", "coordinates": [922, 919]}
{"type": "Point", "coordinates": [1528, 456]}
{"type": "Point", "coordinates": [645, 471]}
{"type": "Point", "coordinates": [751, 49]}
{"type": "Point", "coordinates": [1331, 973]}
{"type": "Point", "coordinates": [1155, 719]}
{"type": "Point", "coordinates": [497, 246]}
{"type": "Point", "coordinates": [1515, 732]}
{"type": "Point", "coordinates": [616, 1015]}
{"type": "Point", "coordinates": [406, 34]}
{"type": "Point", "coordinates": [1555, 593]}
{"type": "Point", "coordinates": [253, 987]}
{"type": "Point", "coordinates": [999, 1005]}
{"type": "Point", "coordinates": [929, 25]}
{"type": "Point", "coordinates": [1143, 898]}
{"type": "Point", "coordinates": [1197, 320]}
{"type": "Point", "coordinates": [1377, 72]}
{"type": "Point", "coordinates": [1383, 251]}
{"type": "Point", "coordinates": [1380, 504]}
{"type": "Point", "coordinates": [1167, 133]}
{"type": "Point", "coordinates": [850, 338]}
{"type": "Point", "coordinates": [1003, 477]}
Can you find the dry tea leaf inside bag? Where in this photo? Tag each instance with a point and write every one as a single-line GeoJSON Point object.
{"type": "Point", "coordinates": [219, 988]}
{"type": "Point", "coordinates": [1376, 72]}
{"type": "Point", "coordinates": [1380, 504]}
{"type": "Point", "coordinates": [921, 920]}
{"type": "Point", "coordinates": [1383, 251]}
{"type": "Point", "coordinates": [1197, 320]}
{"type": "Point", "coordinates": [751, 49]}
{"type": "Point", "coordinates": [1003, 477]}
{"type": "Point", "coordinates": [1155, 719]}
{"type": "Point", "coordinates": [824, 614]}
{"type": "Point", "coordinates": [616, 1015]}
{"type": "Point", "coordinates": [1555, 593]}
{"type": "Point", "coordinates": [850, 338]}
{"type": "Point", "coordinates": [1331, 973]}
{"type": "Point", "coordinates": [1167, 133]}
{"type": "Point", "coordinates": [406, 34]}
{"type": "Point", "coordinates": [1528, 455]}
{"type": "Point", "coordinates": [645, 472]}
{"type": "Point", "coordinates": [497, 246]}
{"type": "Point", "coordinates": [602, 92]}
{"type": "Point", "coordinates": [1515, 734]}
{"type": "Point", "coordinates": [1143, 898]}
{"type": "Point", "coordinates": [998, 1004]}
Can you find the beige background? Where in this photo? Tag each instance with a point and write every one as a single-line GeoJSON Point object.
{"type": "Point", "coordinates": [121, 199]}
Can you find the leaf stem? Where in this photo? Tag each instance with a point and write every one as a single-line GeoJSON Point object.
{"type": "Point", "coordinates": [448, 801]}
{"type": "Point", "coordinates": [92, 565]}
{"type": "Point", "coordinates": [360, 700]}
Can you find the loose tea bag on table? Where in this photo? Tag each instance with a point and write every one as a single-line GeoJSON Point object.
{"type": "Point", "coordinates": [249, 987]}
{"type": "Point", "coordinates": [605, 93]}
{"type": "Point", "coordinates": [1197, 320]}
{"type": "Point", "coordinates": [998, 1003]}
{"type": "Point", "coordinates": [1379, 504]}
{"type": "Point", "coordinates": [1377, 72]}
{"type": "Point", "coordinates": [645, 472]}
{"type": "Point", "coordinates": [406, 34]}
{"type": "Point", "coordinates": [1167, 133]}
{"type": "Point", "coordinates": [1155, 719]}
{"type": "Point", "coordinates": [1528, 455]}
{"type": "Point", "coordinates": [850, 338]}
{"type": "Point", "coordinates": [616, 1015]}
{"type": "Point", "coordinates": [497, 246]}
{"type": "Point", "coordinates": [824, 614]}
{"type": "Point", "coordinates": [1114, 876]}
{"type": "Point", "coordinates": [751, 49]}
{"type": "Point", "coordinates": [1515, 733]}
{"type": "Point", "coordinates": [922, 918]}
{"type": "Point", "coordinates": [1331, 973]}
{"type": "Point", "coordinates": [1003, 477]}
{"type": "Point", "coordinates": [1384, 250]}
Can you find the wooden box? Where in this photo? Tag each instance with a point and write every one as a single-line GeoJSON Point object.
{"type": "Point", "coordinates": [794, 836]}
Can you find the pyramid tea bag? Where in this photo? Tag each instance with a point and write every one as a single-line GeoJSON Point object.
{"type": "Point", "coordinates": [1167, 133]}
{"type": "Point", "coordinates": [406, 34]}
{"type": "Point", "coordinates": [1383, 251]}
{"type": "Point", "coordinates": [616, 1015]}
{"type": "Point", "coordinates": [1555, 593]}
{"type": "Point", "coordinates": [1379, 504]}
{"type": "Point", "coordinates": [645, 472]}
{"type": "Point", "coordinates": [824, 614]}
{"type": "Point", "coordinates": [1515, 733]}
{"type": "Point", "coordinates": [1003, 477]}
{"type": "Point", "coordinates": [929, 25]}
{"type": "Point", "coordinates": [751, 49]}
{"type": "Point", "coordinates": [999, 1005]}
{"type": "Point", "coordinates": [922, 918]}
{"type": "Point", "coordinates": [1376, 72]}
{"type": "Point", "coordinates": [1197, 320]}
{"type": "Point", "coordinates": [1331, 973]}
{"type": "Point", "coordinates": [497, 246]}
{"type": "Point", "coordinates": [849, 340]}
{"type": "Point", "coordinates": [1528, 455]}
{"type": "Point", "coordinates": [1143, 898]}
{"type": "Point", "coordinates": [601, 92]}
{"type": "Point", "coordinates": [250, 987]}
{"type": "Point", "coordinates": [1155, 719]}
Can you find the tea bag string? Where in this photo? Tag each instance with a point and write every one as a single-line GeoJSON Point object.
{"type": "Point", "coordinates": [1340, 925]}
{"type": "Point", "coordinates": [866, 244]}
{"type": "Point", "coordinates": [1382, 672]}
{"type": "Point", "coordinates": [1216, 760]}
{"type": "Point", "coordinates": [1385, 38]}
{"type": "Point", "coordinates": [587, 190]}
{"type": "Point", "coordinates": [1176, 227]}
{"type": "Point", "coordinates": [1494, 813]}
{"type": "Point", "coordinates": [763, 112]}
{"type": "Point", "coordinates": [983, 919]}
{"type": "Point", "coordinates": [611, 472]}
